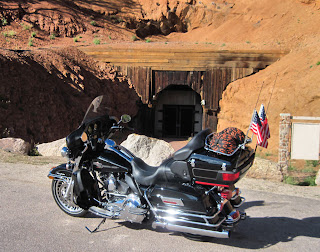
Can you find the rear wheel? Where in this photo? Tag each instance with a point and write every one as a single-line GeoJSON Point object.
{"type": "Point", "coordinates": [194, 237]}
{"type": "Point", "coordinates": [64, 201]}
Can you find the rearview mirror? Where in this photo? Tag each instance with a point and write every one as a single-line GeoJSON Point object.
{"type": "Point", "coordinates": [125, 118]}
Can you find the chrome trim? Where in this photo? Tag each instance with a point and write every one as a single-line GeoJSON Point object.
{"type": "Point", "coordinates": [171, 201]}
{"type": "Point", "coordinates": [59, 176]}
{"type": "Point", "coordinates": [234, 194]}
{"type": "Point", "coordinates": [120, 153]}
{"type": "Point", "coordinates": [172, 219]}
{"type": "Point", "coordinates": [196, 231]}
{"type": "Point", "coordinates": [65, 152]}
{"type": "Point", "coordinates": [230, 220]}
{"type": "Point", "coordinates": [243, 199]}
{"type": "Point", "coordinates": [173, 212]}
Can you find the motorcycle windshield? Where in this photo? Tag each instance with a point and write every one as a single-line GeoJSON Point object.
{"type": "Point", "coordinates": [97, 108]}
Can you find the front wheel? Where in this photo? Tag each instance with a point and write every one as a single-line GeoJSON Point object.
{"type": "Point", "coordinates": [59, 191]}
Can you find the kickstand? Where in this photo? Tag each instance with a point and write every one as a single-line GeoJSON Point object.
{"type": "Point", "coordinates": [96, 229]}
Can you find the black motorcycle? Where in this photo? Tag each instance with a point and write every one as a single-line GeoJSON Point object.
{"type": "Point", "coordinates": [191, 192]}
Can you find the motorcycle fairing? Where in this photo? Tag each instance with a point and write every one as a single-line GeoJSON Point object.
{"type": "Point", "coordinates": [85, 189]}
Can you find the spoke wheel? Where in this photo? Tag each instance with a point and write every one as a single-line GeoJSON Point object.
{"type": "Point", "coordinates": [59, 189]}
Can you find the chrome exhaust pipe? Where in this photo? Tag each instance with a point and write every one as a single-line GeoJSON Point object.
{"type": "Point", "coordinates": [191, 230]}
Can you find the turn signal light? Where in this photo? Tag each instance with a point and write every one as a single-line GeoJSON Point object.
{"type": "Point", "coordinates": [230, 176]}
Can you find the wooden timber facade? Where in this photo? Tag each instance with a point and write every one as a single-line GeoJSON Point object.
{"type": "Point", "coordinates": [205, 71]}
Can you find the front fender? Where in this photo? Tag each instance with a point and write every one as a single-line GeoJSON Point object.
{"type": "Point", "coordinates": [59, 171]}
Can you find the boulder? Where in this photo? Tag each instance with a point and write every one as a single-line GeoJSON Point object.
{"type": "Point", "coordinates": [265, 169]}
{"type": "Point", "coordinates": [152, 151]}
{"type": "Point", "coordinates": [52, 148]}
{"type": "Point", "coordinates": [318, 178]}
{"type": "Point", "coordinates": [16, 145]}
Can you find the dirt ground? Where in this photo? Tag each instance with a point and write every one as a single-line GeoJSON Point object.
{"type": "Point", "coordinates": [291, 85]}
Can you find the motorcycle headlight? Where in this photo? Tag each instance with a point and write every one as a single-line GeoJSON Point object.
{"type": "Point", "coordinates": [65, 152]}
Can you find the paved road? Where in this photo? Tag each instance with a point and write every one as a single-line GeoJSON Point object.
{"type": "Point", "coordinates": [31, 221]}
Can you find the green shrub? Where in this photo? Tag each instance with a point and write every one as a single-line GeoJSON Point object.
{"type": "Point", "coordinates": [96, 41]}
{"type": "Point", "coordinates": [290, 180]}
{"type": "Point", "coordinates": [12, 33]}
{"type": "Point", "coordinates": [4, 22]}
{"type": "Point", "coordinates": [5, 34]}
{"type": "Point", "coordinates": [52, 36]}
{"type": "Point", "coordinates": [148, 40]}
{"type": "Point", "coordinates": [26, 27]}
{"type": "Point", "coordinates": [309, 181]}
{"type": "Point", "coordinates": [75, 39]}
{"type": "Point", "coordinates": [34, 152]}
{"type": "Point", "coordinates": [93, 23]}
{"type": "Point", "coordinates": [223, 44]}
{"type": "Point", "coordinates": [318, 63]}
{"type": "Point", "coordinates": [30, 43]}
{"type": "Point", "coordinates": [134, 38]}
{"type": "Point", "coordinates": [33, 34]}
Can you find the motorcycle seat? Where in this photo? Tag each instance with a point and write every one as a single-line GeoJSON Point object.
{"type": "Point", "coordinates": [197, 142]}
{"type": "Point", "coordinates": [148, 175]}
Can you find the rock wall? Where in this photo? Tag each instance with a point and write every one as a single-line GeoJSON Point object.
{"type": "Point", "coordinates": [44, 94]}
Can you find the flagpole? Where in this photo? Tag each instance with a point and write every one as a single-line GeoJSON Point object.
{"type": "Point", "coordinates": [274, 83]}
{"type": "Point", "coordinates": [245, 139]}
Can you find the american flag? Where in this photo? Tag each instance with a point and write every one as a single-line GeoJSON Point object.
{"type": "Point", "coordinates": [256, 127]}
{"type": "Point", "coordinates": [265, 127]}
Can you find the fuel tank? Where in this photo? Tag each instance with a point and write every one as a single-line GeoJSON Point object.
{"type": "Point", "coordinates": [109, 161]}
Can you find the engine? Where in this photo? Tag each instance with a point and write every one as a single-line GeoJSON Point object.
{"type": "Point", "coordinates": [120, 203]}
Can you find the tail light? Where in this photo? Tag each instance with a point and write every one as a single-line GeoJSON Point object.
{"type": "Point", "coordinates": [226, 194]}
{"type": "Point", "coordinates": [230, 176]}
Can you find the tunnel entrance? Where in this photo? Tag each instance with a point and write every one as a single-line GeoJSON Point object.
{"type": "Point", "coordinates": [180, 88]}
{"type": "Point", "coordinates": [178, 112]}
{"type": "Point", "coordinates": [178, 120]}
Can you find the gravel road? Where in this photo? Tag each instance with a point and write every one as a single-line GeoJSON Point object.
{"type": "Point", "coordinates": [281, 218]}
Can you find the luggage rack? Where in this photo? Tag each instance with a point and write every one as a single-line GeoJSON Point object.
{"type": "Point", "coordinates": [207, 146]}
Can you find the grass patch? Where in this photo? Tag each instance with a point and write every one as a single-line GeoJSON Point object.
{"type": "Point", "coordinates": [148, 40]}
{"type": "Point", "coordinates": [93, 23]}
{"type": "Point", "coordinates": [292, 168]}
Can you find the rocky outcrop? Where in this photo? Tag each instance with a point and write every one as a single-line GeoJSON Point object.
{"type": "Point", "coordinates": [16, 145]}
{"type": "Point", "coordinates": [44, 94]}
{"type": "Point", "coordinates": [51, 149]}
{"type": "Point", "coordinates": [152, 151]}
